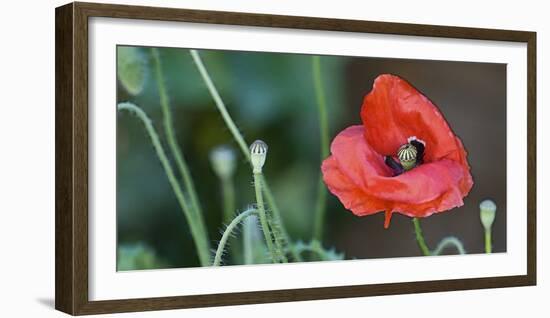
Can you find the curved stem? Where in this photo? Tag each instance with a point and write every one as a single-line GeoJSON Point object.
{"type": "Point", "coordinates": [176, 151]}
{"type": "Point", "coordinates": [324, 136]}
{"type": "Point", "coordinates": [227, 234]}
{"type": "Point", "coordinates": [444, 243]}
{"type": "Point", "coordinates": [314, 247]}
{"type": "Point", "coordinates": [420, 238]}
{"type": "Point", "coordinates": [263, 216]}
{"type": "Point", "coordinates": [448, 242]}
{"type": "Point", "coordinates": [199, 236]}
{"type": "Point", "coordinates": [488, 243]}
{"type": "Point", "coordinates": [239, 139]}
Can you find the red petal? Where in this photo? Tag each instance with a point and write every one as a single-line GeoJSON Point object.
{"type": "Point", "coordinates": [394, 111]}
{"type": "Point", "coordinates": [352, 197]}
{"type": "Point", "coordinates": [358, 176]}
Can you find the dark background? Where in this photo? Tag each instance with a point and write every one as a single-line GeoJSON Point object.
{"type": "Point", "coordinates": [271, 97]}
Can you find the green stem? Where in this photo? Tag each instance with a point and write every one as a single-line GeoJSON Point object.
{"type": "Point", "coordinates": [263, 216]}
{"type": "Point", "coordinates": [316, 248]}
{"type": "Point", "coordinates": [248, 254]}
{"type": "Point", "coordinates": [228, 196]}
{"type": "Point", "coordinates": [253, 246]}
{"type": "Point", "coordinates": [177, 153]}
{"type": "Point", "coordinates": [420, 238]}
{"type": "Point", "coordinates": [448, 242]}
{"type": "Point", "coordinates": [277, 216]}
{"type": "Point", "coordinates": [219, 103]}
{"type": "Point", "coordinates": [278, 239]}
{"type": "Point", "coordinates": [488, 243]}
{"type": "Point", "coordinates": [199, 236]}
{"type": "Point", "coordinates": [239, 139]}
{"type": "Point", "coordinates": [227, 234]}
{"type": "Point", "coordinates": [320, 210]}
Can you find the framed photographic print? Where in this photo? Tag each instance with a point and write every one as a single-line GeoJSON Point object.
{"type": "Point", "coordinates": [211, 158]}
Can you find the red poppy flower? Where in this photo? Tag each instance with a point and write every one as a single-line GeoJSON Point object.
{"type": "Point", "coordinates": [366, 173]}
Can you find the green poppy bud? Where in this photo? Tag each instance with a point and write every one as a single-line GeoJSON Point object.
{"type": "Point", "coordinates": [131, 69]}
{"type": "Point", "coordinates": [223, 161]}
{"type": "Point", "coordinates": [258, 154]}
{"type": "Point", "coordinates": [487, 211]}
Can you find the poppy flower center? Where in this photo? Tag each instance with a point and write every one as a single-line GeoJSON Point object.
{"type": "Point", "coordinates": [409, 155]}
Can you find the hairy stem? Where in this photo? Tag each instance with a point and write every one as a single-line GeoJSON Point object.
{"type": "Point", "coordinates": [199, 236]}
{"type": "Point", "coordinates": [448, 242]}
{"type": "Point", "coordinates": [420, 237]}
{"type": "Point", "coordinates": [320, 210]}
{"type": "Point", "coordinates": [277, 216]}
{"type": "Point", "coordinates": [278, 239]}
{"type": "Point", "coordinates": [316, 248]}
{"type": "Point", "coordinates": [239, 139]}
{"type": "Point", "coordinates": [227, 234]}
{"type": "Point", "coordinates": [488, 243]}
{"type": "Point", "coordinates": [176, 151]}
{"type": "Point", "coordinates": [263, 216]}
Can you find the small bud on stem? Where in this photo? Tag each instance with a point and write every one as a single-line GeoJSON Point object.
{"type": "Point", "coordinates": [223, 161]}
{"type": "Point", "coordinates": [258, 154]}
{"type": "Point", "coordinates": [487, 211]}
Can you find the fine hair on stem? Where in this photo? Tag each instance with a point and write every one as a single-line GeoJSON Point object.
{"type": "Point", "coordinates": [197, 232]}
{"type": "Point", "coordinates": [177, 153]}
{"type": "Point", "coordinates": [242, 144]}
{"type": "Point", "coordinates": [228, 231]}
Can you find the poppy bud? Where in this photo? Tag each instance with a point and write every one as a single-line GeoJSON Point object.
{"type": "Point", "coordinates": [487, 211]}
{"type": "Point", "coordinates": [258, 154]}
{"type": "Point", "coordinates": [222, 159]}
{"type": "Point", "coordinates": [131, 69]}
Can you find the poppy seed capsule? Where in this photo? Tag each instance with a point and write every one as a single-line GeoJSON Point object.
{"type": "Point", "coordinates": [407, 156]}
{"type": "Point", "coordinates": [258, 154]}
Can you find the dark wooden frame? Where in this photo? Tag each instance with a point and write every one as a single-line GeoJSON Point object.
{"type": "Point", "coordinates": [71, 127]}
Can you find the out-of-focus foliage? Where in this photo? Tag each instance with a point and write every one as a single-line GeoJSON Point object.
{"type": "Point", "coordinates": [137, 256]}
{"type": "Point", "coordinates": [269, 95]}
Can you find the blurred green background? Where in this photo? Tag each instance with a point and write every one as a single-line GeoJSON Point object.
{"type": "Point", "coordinates": [271, 97]}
